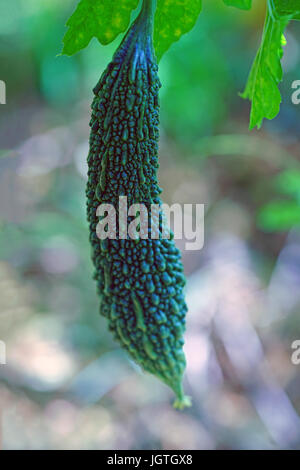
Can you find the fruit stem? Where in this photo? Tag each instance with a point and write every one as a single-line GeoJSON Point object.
{"type": "Point", "coordinates": [147, 13]}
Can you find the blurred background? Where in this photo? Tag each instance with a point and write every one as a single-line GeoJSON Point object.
{"type": "Point", "coordinates": [67, 384]}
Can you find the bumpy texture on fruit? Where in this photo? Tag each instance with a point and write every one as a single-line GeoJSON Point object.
{"type": "Point", "coordinates": [141, 281]}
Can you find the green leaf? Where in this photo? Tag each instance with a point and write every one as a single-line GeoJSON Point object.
{"type": "Point", "coordinates": [285, 8]}
{"type": "Point", "coordinates": [243, 4]}
{"type": "Point", "coordinates": [103, 19]}
{"type": "Point", "coordinates": [266, 73]}
{"type": "Point", "coordinates": [173, 18]}
{"type": "Point", "coordinates": [279, 216]}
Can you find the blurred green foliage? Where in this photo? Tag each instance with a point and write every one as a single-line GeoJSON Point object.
{"type": "Point", "coordinates": [284, 214]}
{"type": "Point", "coordinates": [201, 74]}
{"type": "Point", "coordinates": [249, 183]}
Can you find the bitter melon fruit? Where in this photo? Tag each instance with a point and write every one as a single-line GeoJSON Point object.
{"type": "Point", "coordinates": [140, 282]}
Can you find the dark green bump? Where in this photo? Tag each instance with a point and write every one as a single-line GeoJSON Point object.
{"type": "Point", "coordinates": [139, 313]}
{"type": "Point", "coordinates": [149, 348]}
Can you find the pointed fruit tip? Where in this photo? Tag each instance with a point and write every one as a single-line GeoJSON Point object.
{"type": "Point", "coordinates": [183, 402]}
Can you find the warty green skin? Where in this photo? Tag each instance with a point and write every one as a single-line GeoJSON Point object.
{"type": "Point", "coordinates": [140, 282]}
